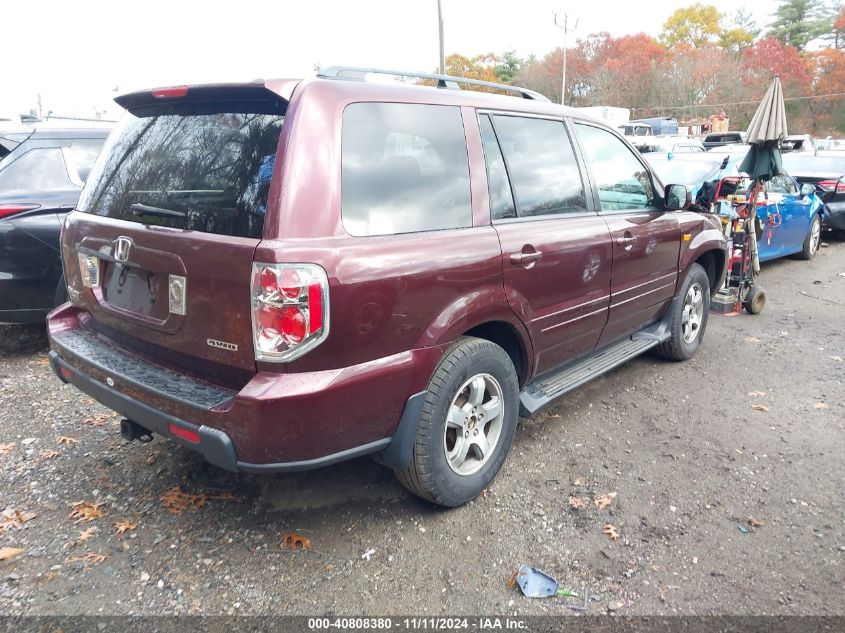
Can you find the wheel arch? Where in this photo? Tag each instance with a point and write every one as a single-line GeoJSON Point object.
{"type": "Point", "coordinates": [506, 336]}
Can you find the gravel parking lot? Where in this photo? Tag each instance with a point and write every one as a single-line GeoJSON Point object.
{"type": "Point", "coordinates": [727, 472]}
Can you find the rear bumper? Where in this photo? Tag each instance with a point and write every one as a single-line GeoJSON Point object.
{"type": "Point", "coordinates": [275, 423]}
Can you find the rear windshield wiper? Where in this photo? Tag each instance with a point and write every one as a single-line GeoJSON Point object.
{"type": "Point", "coordinates": [145, 209]}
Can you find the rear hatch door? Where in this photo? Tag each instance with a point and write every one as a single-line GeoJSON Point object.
{"type": "Point", "coordinates": [169, 220]}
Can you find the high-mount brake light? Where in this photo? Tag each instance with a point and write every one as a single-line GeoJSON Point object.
{"type": "Point", "coordinates": [290, 310]}
{"type": "Point", "coordinates": [170, 92]}
{"type": "Point", "coordinates": [10, 209]}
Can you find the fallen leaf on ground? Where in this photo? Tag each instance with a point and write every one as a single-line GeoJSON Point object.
{"type": "Point", "coordinates": [125, 525]}
{"type": "Point", "coordinates": [821, 405]}
{"type": "Point", "coordinates": [512, 579]}
{"type": "Point", "coordinates": [759, 407]}
{"type": "Point", "coordinates": [576, 503]}
{"type": "Point", "coordinates": [96, 420]}
{"type": "Point", "coordinates": [14, 519]}
{"type": "Point", "coordinates": [49, 454]}
{"type": "Point", "coordinates": [86, 511]}
{"type": "Point", "coordinates": [176, 500]}
{"type": "Point", "coordinates": [756, 394]}
{"type": "Point", "coordinates": [604, 501]}
{"type": "Point", "coordinates": [610, 531]}
{"type": "Point", "coordinates": [8, 553]}
{"type": "Point", "coordinates": [85, 534]}
{"type": "Point", "coordinates": [90, 557]}
{"type": "Point", "coordinates": [755, 523]}
{"type": "Point", "coordinates": [578, 482]}
{"type": "Point", "coordinates": [752, 339]}
{"type": "Point", "coordinates": [63, 439]}
{"type": "Point", "coordinates": [295, 541]}
{"type": "Point", "coordinates": [5, 449]}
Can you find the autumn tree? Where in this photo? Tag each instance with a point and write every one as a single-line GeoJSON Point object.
{"type": "Point", "coordinates": [826, 76]}
{"type": "Point", "coordinates": [696, 25]}
{"type": "Point", "coordinates": [740, 32]}
{"type": "Point", "coordinates": [798, 22]}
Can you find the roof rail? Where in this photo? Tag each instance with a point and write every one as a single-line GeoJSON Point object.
{"type": "Point", "coordinates": [353, 73]}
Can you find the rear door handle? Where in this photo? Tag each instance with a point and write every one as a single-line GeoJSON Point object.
{"type": "Point", "coordinates": [526, 259]}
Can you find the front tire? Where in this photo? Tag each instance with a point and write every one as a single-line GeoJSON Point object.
{"type": "Point", "coordinates": [688, 320]}
{"type": "Point", "coordinates": [813, 239]}
{"type": "Point", "coordinates": [467, 424]}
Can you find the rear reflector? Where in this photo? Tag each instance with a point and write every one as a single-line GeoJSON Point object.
{"type": "Point", "coordinates": [10, 209]}
{"type": "Point", "coordinates": [185, 434]}
{"type": "Point", "coordinates": [65, 373]}
{"type": "Point", "coordinates": [169, 93]}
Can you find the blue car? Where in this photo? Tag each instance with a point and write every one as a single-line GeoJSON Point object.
{"type": "Point", "coordinates": [792, 216]}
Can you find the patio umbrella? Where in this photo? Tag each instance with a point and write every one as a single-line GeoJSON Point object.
{"type": "Point", "coordinates": [767, 129]}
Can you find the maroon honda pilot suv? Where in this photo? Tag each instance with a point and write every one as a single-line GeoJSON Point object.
{"type": "Point", "coordinates": [286, 274]}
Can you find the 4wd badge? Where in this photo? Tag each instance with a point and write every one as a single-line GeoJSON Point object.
{"type": "Point", "coordinates": [231, 347]}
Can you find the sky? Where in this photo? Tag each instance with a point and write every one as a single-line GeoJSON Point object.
{"type": "Point", "coordinates": [79, 55]}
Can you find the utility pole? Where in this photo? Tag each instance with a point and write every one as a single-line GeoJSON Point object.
{"type": "Point", "coordinates": [566, 29]}
{"type": "Point", "coordinates": [440, 28]}
{"type": "Point", "coordinates": [40, 108]}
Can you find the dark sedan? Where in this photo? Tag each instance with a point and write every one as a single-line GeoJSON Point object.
{"type": "Point", "coordinates": [826, 172]}
{"type": "Point", "coordinates": [40, 181]}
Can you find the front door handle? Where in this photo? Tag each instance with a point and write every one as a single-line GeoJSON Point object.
{"type": "Point", "coordinates": [626, 241]}
{"type": "Point", "coordinates": [526, 259]}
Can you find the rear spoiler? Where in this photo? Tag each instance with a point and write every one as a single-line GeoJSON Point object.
{"type": "Point", "coordinates": [259, 97]}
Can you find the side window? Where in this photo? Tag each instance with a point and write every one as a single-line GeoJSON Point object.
{"type": "Point", "coordinates": [84, 153]}
{"type": "Point", "coordinates": [541, 164]}
{"type": "Point", "coordinates": [37, 170]}
{"type": "Point", "coordinates": [404, 168]}
{"type": "Point", "coordinates": [622, 180]}
{"type": "Point", "coordinates": [501, 197]}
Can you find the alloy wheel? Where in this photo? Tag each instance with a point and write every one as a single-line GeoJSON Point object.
{"type": "Point", "coordinates": [474, 424]}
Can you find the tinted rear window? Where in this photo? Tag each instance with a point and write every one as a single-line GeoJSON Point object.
{"type": "Point", "coordinates": [404, 169]}
{"type": "Point", "coordinates": [722, 138]}
{"type": "Point", "coordinates": [211, 167]}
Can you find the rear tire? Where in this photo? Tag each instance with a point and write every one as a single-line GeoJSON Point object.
{"type": "Point", "coordinates": [688, 320]}
{"type": "Point", "coordinates": [812, 241]}
{"type": "Point", "coordinates": [467, 424]}
{"type": "Point", "coordinates": [755, 300]}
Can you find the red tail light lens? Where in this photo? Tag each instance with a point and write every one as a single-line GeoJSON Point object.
{"type": "Point", "coordinates": [830, 185]}
{"type": "Point", "coordinates": [289, 310]}
{"type": "Point", "coordinates": [170, 92]}
{"type": "Point", "coordinates": [7, 210]}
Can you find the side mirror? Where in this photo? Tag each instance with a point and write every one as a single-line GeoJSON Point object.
{"type": "Point", "coordinates": [807, 189]}
{"type": "Point", "coordinates": [677, 197]}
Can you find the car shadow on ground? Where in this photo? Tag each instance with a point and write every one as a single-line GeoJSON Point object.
{"type": "Point", "coordinates": [22, 340]}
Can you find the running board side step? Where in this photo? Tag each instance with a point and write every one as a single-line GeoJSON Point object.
{"type": "Point", "coordinates": [543, 389]}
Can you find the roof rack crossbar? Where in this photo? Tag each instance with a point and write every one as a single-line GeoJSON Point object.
{"type": "Point", "coordinates": [354, 73]}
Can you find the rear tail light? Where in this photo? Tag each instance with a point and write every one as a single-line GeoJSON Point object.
{"type": "Point", "coordinates": [831, 185]}
{"type": "Point", "coordinates": [89, 270]}
{"type": "Point", "coordinates": [7, 210]}
{"type": "Point", "coordinates": [290, 310]}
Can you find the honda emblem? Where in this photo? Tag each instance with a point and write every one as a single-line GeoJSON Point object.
{"type": "Point", "coordinates": [121, 248]}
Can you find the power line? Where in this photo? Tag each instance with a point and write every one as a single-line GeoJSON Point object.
{"type": "Point", "coordinates": [735, 103]}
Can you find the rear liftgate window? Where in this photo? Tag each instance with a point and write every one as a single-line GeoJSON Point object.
{"type": "Point", "coordinates": [203, 167]}
{"type": "Point", "coordinates": [404, 169]}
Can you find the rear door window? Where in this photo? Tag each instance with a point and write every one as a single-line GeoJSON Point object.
{"type": "Point", "coordinates": [83, 153]}
{"type": "Point", "coordinates": [207, 171]}
{"type": "Point", "coordinates": [623, 182]}
{"type": "Point", "coordinates": [404, 169]}
{"type": "Point", "coordinates": [541, 164]}
{"type": "Point", "coordinates": [498, 185]}
{"type": "Point", "coordinates": [41, 169]}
